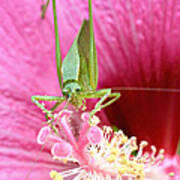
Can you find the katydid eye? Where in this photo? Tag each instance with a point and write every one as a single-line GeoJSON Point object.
{"type": "Point", "coordinates": [78, 90]}
{"type": "Point", "coordinates": [65, 92]}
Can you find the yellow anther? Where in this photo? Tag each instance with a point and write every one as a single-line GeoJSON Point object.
{"type": "Point", "coordinates": [123, 155]}
{"type": "Point", "coordinates": [111, 158]}
{"type": "Point", "coordinates": [140, 166]}
{"type": "Point", "coordinates": [115, 145]}
{"type": "Point", "coordinates": [59, 177]}
{"type": "Point", "coordinates": [171, 174]}
{"type": "Point", "coordinates": [124, 139]}
{"type": "Point", "coordinates": [122, 170]}
{"type": "Point", "coordinates": [114, 151]}
{"type": "Point", "coordinates": [131, 171]}
{"type": "Point", "coordinates": [108, 144]}
{"type": "Point", "coordinates": [123, 159]}
{"type": "Point", "coordinates": [102, 155]}
{"type": "Point", "coordinates": [134, 164]}
{"type": "Point", "coordinates": [92, 152]}
{"type": "Point", "coordinates": [64, 160]}
{"type": "Point", "coordinates": [55, 175]}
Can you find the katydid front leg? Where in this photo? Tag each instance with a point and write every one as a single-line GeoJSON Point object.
{"type": "Point", "coordinates": [53, 109]}
{"type": "Point", "coordinates": [103, 94]}
{"type": "Point", "coordinates": [58, 100]}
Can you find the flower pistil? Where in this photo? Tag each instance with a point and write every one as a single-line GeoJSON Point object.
{"type": "Point", "coordinates": [100, 153]}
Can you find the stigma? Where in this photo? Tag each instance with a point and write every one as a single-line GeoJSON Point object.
{"type": "Point", "coordinates": [100, 153]}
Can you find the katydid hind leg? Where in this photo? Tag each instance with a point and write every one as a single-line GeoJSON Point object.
{"type": "Point", "coordinates": [53, 109]}
{"type": "Point", "coordinates": [57, 41]}
{"type": "Point", "coordinates": [92, 63]}
{"type": "Point", "coordinates": [58, 101]}
{"type": "Point", "coordinates": [114, 97]}
{"type": "Point", "coordinates": [100, 105]}
{"type": "Point", "coordinates": [103, 94]}
{"type": "Point", "coordinates": [57, 45]}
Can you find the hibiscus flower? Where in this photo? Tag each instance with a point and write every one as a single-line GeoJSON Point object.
{"type": "Point", "coordinates": [138, 46]}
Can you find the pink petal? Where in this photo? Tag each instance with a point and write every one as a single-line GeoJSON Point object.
{"type": "Point", "coordinates": [156, 174]}
{"type": "Point", "coordinates": [27, 68]}
{"type": "Point", "coordinates": [82, 140]}
{"type": "Point", "coordinates": [85, 116]}
{"type": "Point", "coordinates": [43, 135]}
{"type": "Point", "coordinates": [95, 135]}
{"type": "Point", "coordinates": [172, 164]}
{"type": "Point", "coordinates": [61, 150]}
{"type": "Point", "coordinates": [139, 46]}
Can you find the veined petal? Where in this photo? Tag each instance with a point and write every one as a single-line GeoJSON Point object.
{"type": "Point", "coordinates": [27, 68]}
{"type": "Point", "coordinates": [139, 46]}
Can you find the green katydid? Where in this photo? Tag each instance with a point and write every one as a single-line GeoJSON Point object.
{"type": "Point", "coordinates": [78, 74]}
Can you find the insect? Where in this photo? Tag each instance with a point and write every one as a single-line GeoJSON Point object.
{"type": "Point", "coordinates": [78, 73]}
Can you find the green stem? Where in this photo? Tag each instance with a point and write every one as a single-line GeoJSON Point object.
{"type": "Point", "coordinates": [58, 53]}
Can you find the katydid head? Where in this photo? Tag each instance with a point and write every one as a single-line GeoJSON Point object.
{"type": "Point", "coordinates": [71, 89]}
